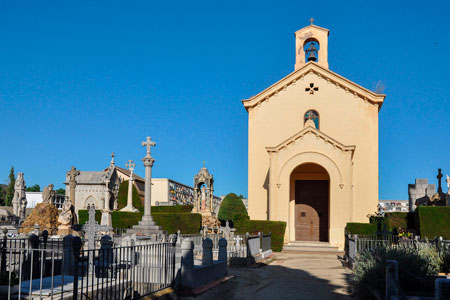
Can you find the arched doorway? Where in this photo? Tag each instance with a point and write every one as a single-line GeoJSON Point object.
{"type": "Point", "coordinates": [310, 190]}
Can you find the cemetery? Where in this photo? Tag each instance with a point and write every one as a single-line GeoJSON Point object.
{"type": "Point", "coordinates": [313, 226]}
{"type": "Point", "coordinates": [129, 249]}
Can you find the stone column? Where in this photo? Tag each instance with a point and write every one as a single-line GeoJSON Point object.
{"type": "Point", "coordinates": [130, 206]}
{"type": "Point", "coordinates": [73, 173]}
{"type": "Point", "coordinates": [207, 258]}
{"type": "Point", "coordinates": [106, 213]}
{"type": "Point", "coordinates": [148, 163]}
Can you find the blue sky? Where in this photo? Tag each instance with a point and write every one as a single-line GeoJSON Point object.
{"type": "Point", "coordinates": [80, 79]}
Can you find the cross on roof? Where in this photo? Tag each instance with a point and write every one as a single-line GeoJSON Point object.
{"type": "Point", "coordinates": [204, 164]}
{"type": "Point", "coordinates": [148, 143]}
{"type": "Point", "coordinates": [312, 21]}
{"type": "Point", "coordinates": [112, 158]}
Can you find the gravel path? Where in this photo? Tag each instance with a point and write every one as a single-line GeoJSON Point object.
{"type": "Point", "coordinates": [291, 275]}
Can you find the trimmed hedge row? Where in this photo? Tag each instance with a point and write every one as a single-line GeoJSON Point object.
{"type": "Point", "coordinates": [187, 223]}
{"type": "Point", "coordinates": [361, 228]}
{"type": "Point", "coordinates": [277, 228]}
{"type": "Point", "coordinates": [432, 221]}
{"type": "Point", "coordinates": [172, 209]}
{"type": "Point", "coordinates": [427, 221]}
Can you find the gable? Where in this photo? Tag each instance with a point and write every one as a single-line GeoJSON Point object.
{"type": "Point", "coordinates": [340, 82]}
{"type": "Point", "coordinates": [311, 131]}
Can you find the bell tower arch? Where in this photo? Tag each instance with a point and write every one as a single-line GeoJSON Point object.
{"type": "Point", "coordinates": [311, 44]}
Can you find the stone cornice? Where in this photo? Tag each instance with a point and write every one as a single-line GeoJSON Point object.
{"type": "Point", "coordinates": [312, 26]}
{"type": "Point", "coordinates": [340, 82]}
{"type": "Point", "coordinates": [311, 130]}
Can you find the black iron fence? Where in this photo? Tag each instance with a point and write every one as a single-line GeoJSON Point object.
{"type": "Point", "coordinates": [39, 270]}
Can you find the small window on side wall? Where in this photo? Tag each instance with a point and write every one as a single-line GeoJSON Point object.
{"type": "Point", "coordinates": [312, 116]}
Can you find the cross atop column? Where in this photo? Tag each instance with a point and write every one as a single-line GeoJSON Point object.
{"type": "Point", "coordinates": [439, 177]}
{"type": "Point", "coordinates": [72, 174]}
{"type": "Point", "coordinates": [312, 21]}
{"type": "Point", "coordinates": [148, 143]}
{"type": "Point", "coordinates": [130, 165]}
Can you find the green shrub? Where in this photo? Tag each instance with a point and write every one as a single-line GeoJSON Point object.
{"type": "Point", "coordinates": [231, 206]}
{"type": "Point", "coordinates": [445, 260]}
{"type": "Point", "coordinates": [122, 198]}
{"type": "Point", "coordinates": [369, 272]}
{"type": "Point", "coordinates": [277, 228]}
{"type": "Point", "coordinates": [187, 223]}
{"type": "Point", "coordinates": [172, 209]}
{"type": "Point", "coordinates": [433, 221]}
{"type": "Point", "coordinates": [361, 228]}
{"type": "Point", "coordinates": [397, 220]}
{"type": "Point", "coordinates": [83, 216]}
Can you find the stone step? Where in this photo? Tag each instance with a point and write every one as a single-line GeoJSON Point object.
{"type": "Point", "coordinates": [310, 247]}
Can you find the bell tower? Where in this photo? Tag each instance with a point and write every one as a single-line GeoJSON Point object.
{"type": "Point", "coordinates": [311, 44]}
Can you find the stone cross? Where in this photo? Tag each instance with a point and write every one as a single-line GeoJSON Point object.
{"type": "Point", "coordinates": [73, 173]}
{"type": "Point", "coordinates": [439, 177]}
{"type": "Point", "coordinates": [91, 228]}
{"type": "Point", "coordinates": [148, 143]}
{"type": "Point", "coordinates": [130, 165]}
{"type": "Point", "coordinates": [112, 158]}
{"type": "Point", "coordinates": [312, 21]}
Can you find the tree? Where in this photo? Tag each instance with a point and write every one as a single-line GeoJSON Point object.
{"type": "Point", "coordinates": [61, 191]}
{"type": "Point", "coordinates": [10, 188]}
{"type": "Point", "coordinates": [34, 188]}
{"type": "Point", "coordinates": [2, 196]}
{"type": "Point", "coordinates": [231, 208]}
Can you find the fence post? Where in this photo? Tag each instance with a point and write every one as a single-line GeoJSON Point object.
{"type": "Point", "coordinates": [442, 288]}
{"type": "Point", "coordinates": [207, 252]}
{"type": "Point", "coordinates": [3, 261]}
{"type": "Point", "coordinates": [247, 245]}
{"type": "Point", "coordinates": [187, 254]}
{"type": "Point", "coordinates": [76, 246]}
{"type": "Point", "coordinates": [260, 234]}
{"type": "Point", "coordinates": [391, 279]}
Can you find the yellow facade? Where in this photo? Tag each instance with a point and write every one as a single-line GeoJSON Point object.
{"type": "Point", "coordinates": [345, 144]}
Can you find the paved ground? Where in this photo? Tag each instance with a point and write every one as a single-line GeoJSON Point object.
{"type": "Point", "coordinates": [291, 275]}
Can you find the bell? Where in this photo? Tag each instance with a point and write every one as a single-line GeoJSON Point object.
{"type": "Point", "coordinates": [311, 52]}
{"type": "Point", "coordinates": [312, 56]}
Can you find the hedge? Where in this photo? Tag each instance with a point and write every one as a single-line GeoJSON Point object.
{"type": "Point", "coordinates": [361, 228]}
{"type": "Point", "coordinates": [172, 209]}
{"type": "Point", "coordinates": [433, 221]}
{"type": "Point", "coordinates": [277, 228]}
{"type": "Point", "coordinates": [187, 223]}
{"type": "Point", "coordinates": [231, 207]}
{"type": "Point", "coordinates": [397, 220]}
{"type": "Point", "coordinates": [122, 198]}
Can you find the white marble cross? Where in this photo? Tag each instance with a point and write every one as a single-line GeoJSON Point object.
{"type": "Point", "coordinates": [148, 143]}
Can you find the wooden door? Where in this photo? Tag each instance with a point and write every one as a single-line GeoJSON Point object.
{"type": "Point", "coordinates": [311, 210]}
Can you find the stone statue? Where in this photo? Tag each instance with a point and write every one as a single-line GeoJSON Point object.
{"type": "Point", "coordinates": [203, 198]}
{"type": "Point", "coordinates": [448, 184]}
{"type": "Point", "coordinates": [19, 200]}
{"type": "Point", "coordinates": [48, 195]}
{"type": "Point", "coordinates": [66, 217]}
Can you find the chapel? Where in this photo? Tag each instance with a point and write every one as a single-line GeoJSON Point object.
{"type": "Point", "coordinates": [313, 147]}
